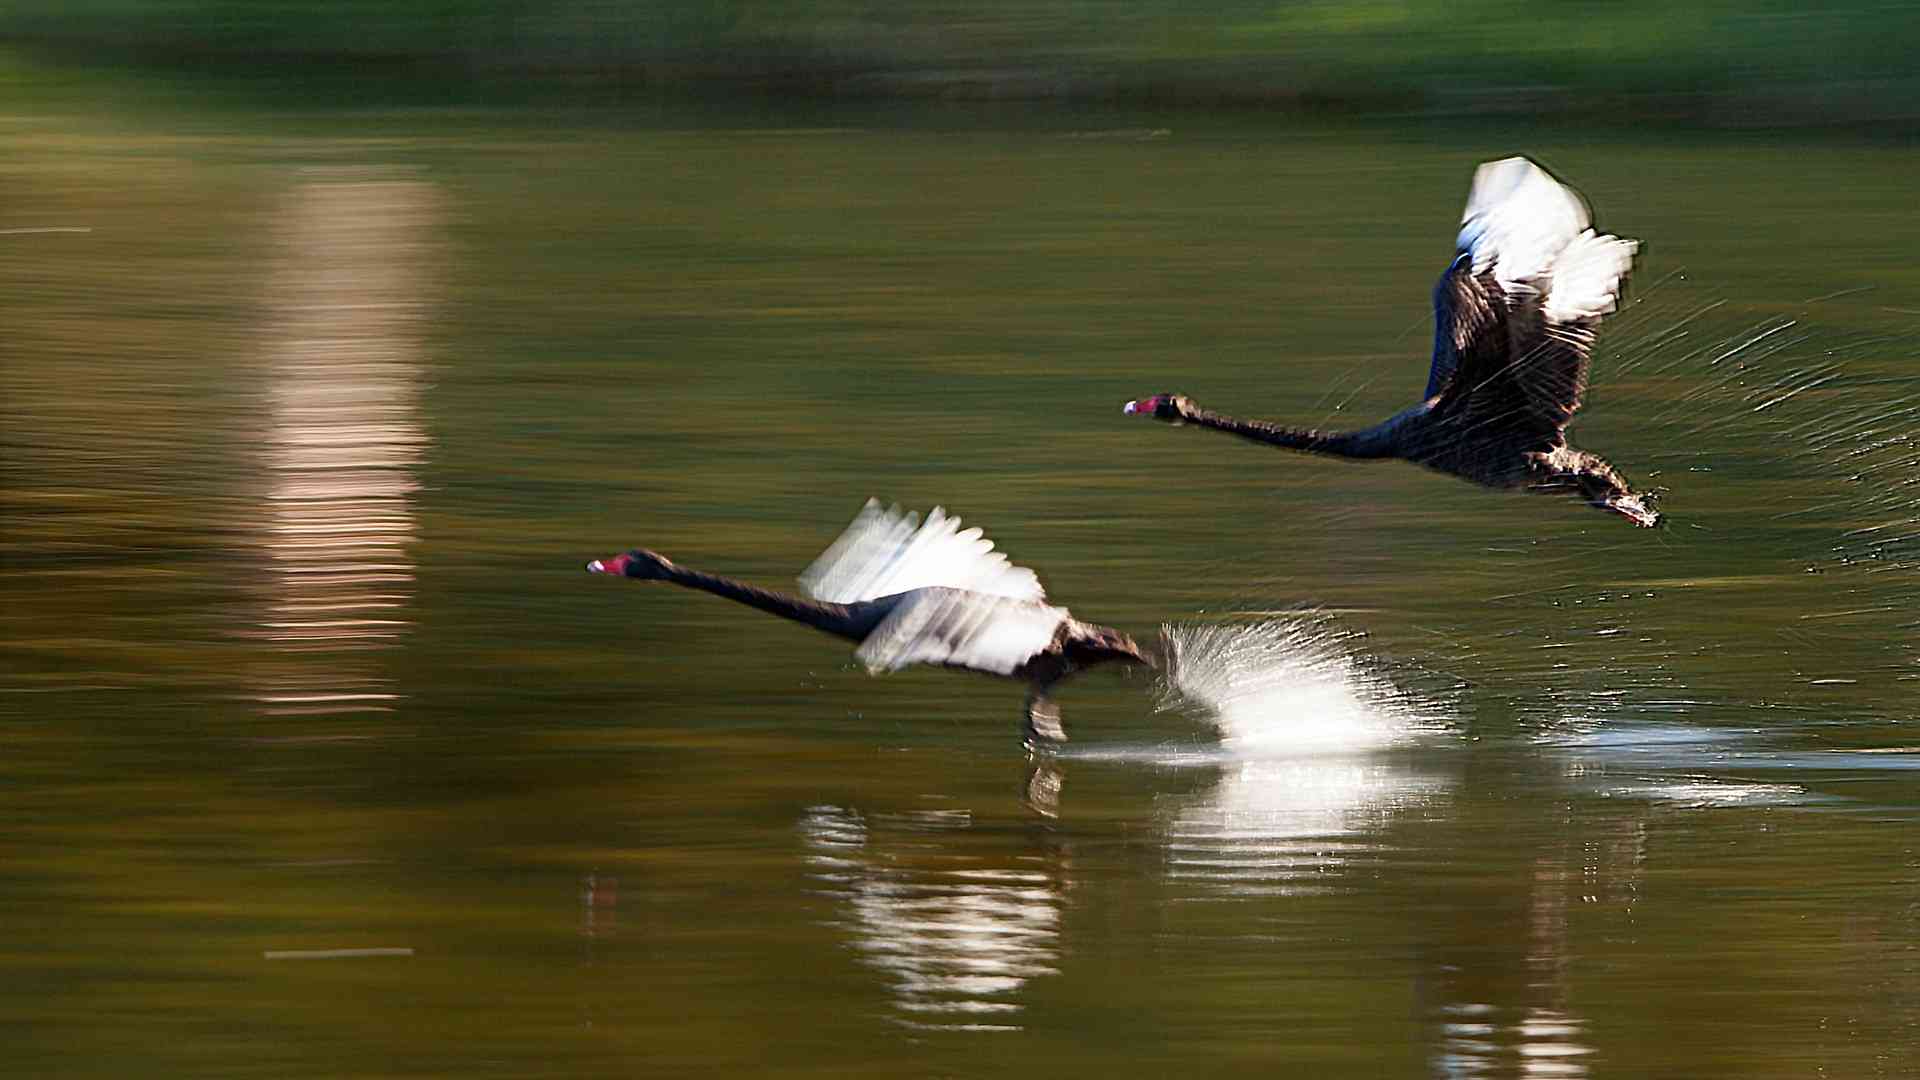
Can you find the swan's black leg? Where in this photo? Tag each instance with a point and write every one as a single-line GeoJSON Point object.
{"type": "Point", "coordinates": [1040, 727]}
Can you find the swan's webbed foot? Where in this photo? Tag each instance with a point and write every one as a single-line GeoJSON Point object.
{"type": "Point", "coordinates": [1637, 508]}
{"type": "Point", "coordinates": [1600, 484]}
{"type": "Point", "coordinates": [1040, 728]}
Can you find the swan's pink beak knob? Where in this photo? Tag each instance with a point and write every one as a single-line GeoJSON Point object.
{"type": "Point", "coordinates": [1145, 406]}
{"type": "Point", "coordinates": [615, 565]}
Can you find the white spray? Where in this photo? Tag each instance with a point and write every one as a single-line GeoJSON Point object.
{"type": "Point", "coordinates": [1288, 684]}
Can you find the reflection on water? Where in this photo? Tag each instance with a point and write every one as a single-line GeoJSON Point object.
{"type": "Point", "coordinates": [1528, 1025]}
{"type": "Point", "coordinates": [957, 939]}
{"type": "Point", "coordinates": [1676, 764]}
{"type": "Point", "coordinates": [1478, 1040]}
{"type": "Point", "coordinates": [1290, 826]}
{"type": "Point", "coordinates": [1498, 1013]}
{"type": "Point", "coordinates": [599, 905]}
{"type": "Point", "coordinates": [347, 295]}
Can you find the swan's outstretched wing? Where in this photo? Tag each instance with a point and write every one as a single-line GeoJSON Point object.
{"type": "Point", "coordinates": [1517, 219]}
{"type": "Point", "coordinates": [1466, 315]}
{"type": "Point", "coordinates": [1515, 315]}
{"type": "Point", "coordinates": [887, 551]}
{"type": "Point", "coordinates": [960, 629]}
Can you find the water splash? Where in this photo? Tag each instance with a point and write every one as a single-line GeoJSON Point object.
{"type": "Point", "coordinates": [1289, 684]}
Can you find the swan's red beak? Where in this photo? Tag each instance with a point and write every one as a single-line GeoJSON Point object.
{"type": "Point", "coordinates": [615, 565]}
{"type": "Point", "coordinates": [1143, 406]}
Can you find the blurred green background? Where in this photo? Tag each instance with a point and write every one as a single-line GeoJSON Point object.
{"type": "Point", "coordinates": [1716, 63]}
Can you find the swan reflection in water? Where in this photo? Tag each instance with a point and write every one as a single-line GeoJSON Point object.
{"type": "Point", "coordinates": [1499, 984]}
{"type": "Point", "coordinates": [957, 936]}
{"type": "Point", "coordinates": [1502, 993]}
{"type": "Point", "coordinates": [1500, 989]}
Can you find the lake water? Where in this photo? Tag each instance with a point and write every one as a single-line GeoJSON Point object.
{"type": "Point", "coordinates": [324, 758]}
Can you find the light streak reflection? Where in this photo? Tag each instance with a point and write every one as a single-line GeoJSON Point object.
{"type": "Point", "coordinates": [347, 299]}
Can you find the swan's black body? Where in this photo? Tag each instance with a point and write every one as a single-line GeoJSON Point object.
{"type": "Point", "coordinates": [1074, 645]}
{"type": "Point", "coordinates": [1510, 358]}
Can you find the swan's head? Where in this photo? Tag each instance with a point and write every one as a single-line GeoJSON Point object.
{"type": "Point", "coordinates": [638, 563]}
{"type": "Point", "coordinates": [1172, 407]}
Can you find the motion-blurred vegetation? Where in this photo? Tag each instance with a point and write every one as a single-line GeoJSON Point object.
{"type": "Point", "coordinates": [1720, 61]}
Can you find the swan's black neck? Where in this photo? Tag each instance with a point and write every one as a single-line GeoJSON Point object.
{"type": "Point", "coordinates": [1378, 441]}
{"type": "Point", "coordinates": [851, 621]}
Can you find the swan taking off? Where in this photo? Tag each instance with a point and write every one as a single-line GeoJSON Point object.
{"type": "Point", "coordinates": [1515, 316]}
{"type": "Point", "coordinates": [924, 592]}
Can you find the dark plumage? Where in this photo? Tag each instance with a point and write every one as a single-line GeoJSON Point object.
{"type": "Point", "coordinates": [1515, 316]}
{"type": "Point", "coordinates": [910, 593]}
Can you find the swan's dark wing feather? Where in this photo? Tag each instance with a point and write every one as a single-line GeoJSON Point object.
{"type": "Point", "coordinates": [1516, 313]}
{"type": "Point", "coordinates": [1465, 314]}
{"type": "Point", "coordinates": [1516, 372]}
{"type": "Point", "coordinates": [1526, 365]}
{"type": "Point", "coordinates": [1551, 371]}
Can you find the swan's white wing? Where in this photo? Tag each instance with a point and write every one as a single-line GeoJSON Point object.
{"type": "Point", "coordinates": [1516, 316]}
{"type": "Point", "coordinates": [887, 551]}
{"type": "Point", "coordinates": [960, 629]}
{"type": "Point", "coordinates": [1587, 277]}
{"type": "Point", "coordinates": [1517, 220]}
{"type": "Point", "coordinates": [1535, 234]}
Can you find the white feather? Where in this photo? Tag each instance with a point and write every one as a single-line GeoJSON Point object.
{"type": "Point", "coordinates": [1586, 277]}
{"type": "Point", "coordinates": [887, 551]}
{"type": "Point", "coordinates": [1534, 233]}
{"type": "Point", "coordinates": [961, 629]}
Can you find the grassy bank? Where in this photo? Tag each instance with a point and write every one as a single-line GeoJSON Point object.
{"type": "Point", "coordinates": [1720, 63]}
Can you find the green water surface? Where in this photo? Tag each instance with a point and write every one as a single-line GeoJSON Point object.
{"type": "Point", "coordinates": [323, 758]}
